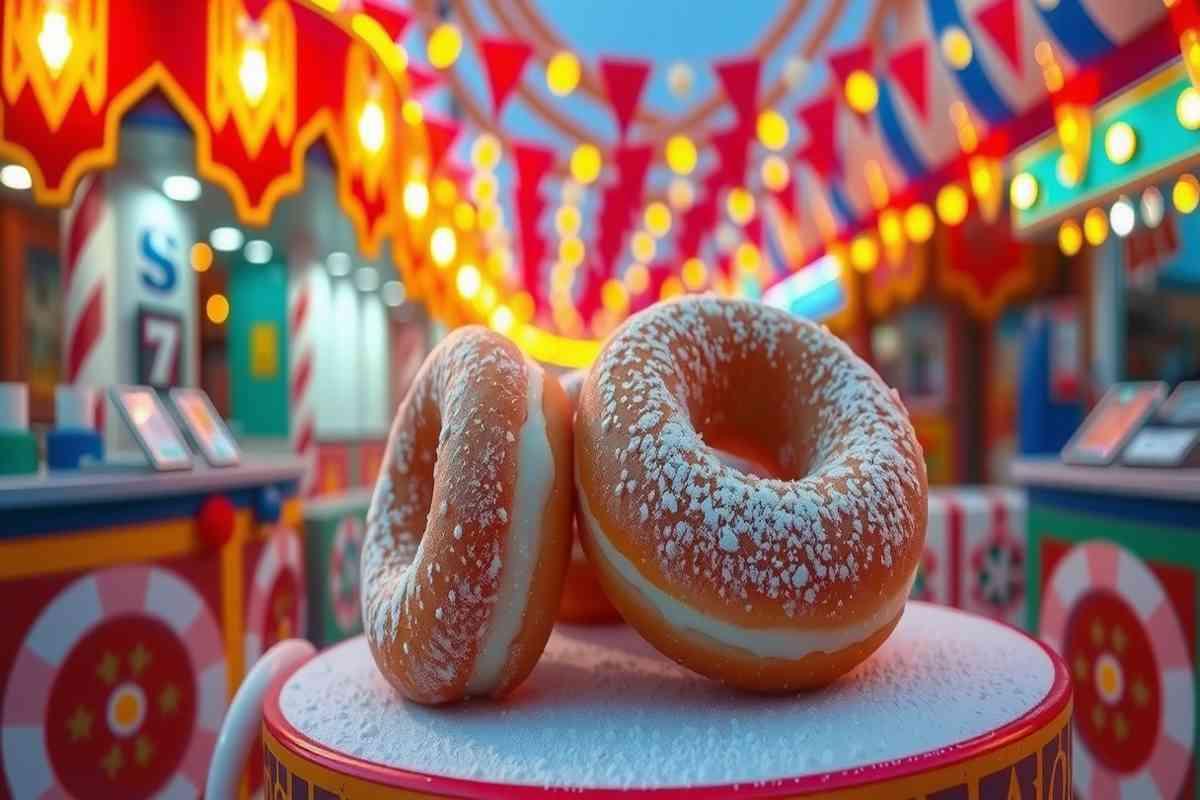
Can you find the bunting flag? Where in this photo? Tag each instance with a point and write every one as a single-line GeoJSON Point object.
{"type": "Point", "coordinates": [394, 20]}
{"type": "Point", "coordinates": [440, 134]}
{"type": "Point", "coordinates": [844, 63]}
{"type": "Point", "coordinates": [1000, 20]}
{"type": "Point", "coordinates": [503, 60]}
{"type": "Point", "coordinates": [785, 196]}
{"type": "Point", "coordinates": [624, 81]}
{"type": "Point", "coordinates": [421, 81]}
{"type": "Point", "coordinates": [821, 152]}
{"type": "Point", "coordinates": [739, 79]}
{"type": "Point", "coordinates": [909, 68]}
{"type": "Point", "coordinates": [532, 163]}
{"type": "Point", "coordinates": [730, 145]}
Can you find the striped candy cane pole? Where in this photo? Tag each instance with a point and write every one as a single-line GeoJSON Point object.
{"type": "Point", "coordinates": [89, 245]}
{"type": "Point", "coordinates": [300, 346]}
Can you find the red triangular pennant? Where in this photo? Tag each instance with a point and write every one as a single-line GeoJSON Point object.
{"type": "Point", "coordinates": [739, 79]}
{"type": "Point", "coordinates": [786, 197]}
{"type": "Point", "coordinates": [910, 68]}
{"type": "Point", "coordinates": [730, 145]}
{"type": "Point", "coordinates": [633, 162]}
{"type": "Point", "coordinates": [820, 117]}
{"type": "Point", "coordinates": [532, 162]}
{"type": "Point", "coordinates": [1000, 22]}
{"type": "Point", "coordinates": [503, 60]}
{"type": "Point", "coordinates": [394, 20]}
{"type": "Point", "coordinates": [440, 134]}
{"type": "Point", "coordinates": [624, 80]}
{"type": "Point", "coordinates": [852, 59]}
{"type": "Point", "coordinates": [421, 80]}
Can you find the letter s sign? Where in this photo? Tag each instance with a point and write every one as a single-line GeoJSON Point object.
{"type": "Point", "coordinates": [161, 251]}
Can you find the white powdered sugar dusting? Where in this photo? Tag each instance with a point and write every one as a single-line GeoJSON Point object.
{"type": "Point", "coordinates": [792, 543]}
{"type": "Point", "coordinates": [941, 679]}
{"type": "Point", "coordinates": [397, 574]}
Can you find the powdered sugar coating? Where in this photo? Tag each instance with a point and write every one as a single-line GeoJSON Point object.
{"type": "Point", "coordinates": [603, 709]}
{"type": "Point", "coordinates": [856, 502]}
{"type": "Point", "coordinates": [471, 392]}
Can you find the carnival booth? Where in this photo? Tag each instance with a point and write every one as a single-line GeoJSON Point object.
{"type": "Point", "coordinates": [275, 521]}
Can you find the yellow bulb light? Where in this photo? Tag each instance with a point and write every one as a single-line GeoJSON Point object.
{"type": "Point", "coordinates": [412, 112]}
{"type": "Point", "coordinates": [680, 193]}
{"type": "Point", "coordinates": [464, 215]}
{"type": "Point", "coordinates": [918, 223]}
{"type": "Point", "coordinates": [1023, 191]}
{"type": "Point", "coordinates": [864, 252]}
{"type": "Point", "coordinates": [570, 252]}
{"type": "Point", "coordinates": [372, 127]}
{"type": "Point", "coordinates": [443, 246]}
{"type": "Point", "coordinates": [586, 163]}
{"type": "Point", "coordinates": [642, 246]}
{"type": "Point", "coordinates": [1187, 108]}
{"type": "Point", "coordinates": [739, 203]}
{"type": "Point", "coordinates": [216, 308]}
{"type": "Point", "coordinates": [1070, 237]}
{"type": "Point", "coordinates": [562, 73]}
{"type": "Point", "coordinates": [773, 130]}
{"type": "Point", "coordinates": [637, 278]}
{"type": "Point", "coordinates": [747, 258]}
{"type": "Point", "coordinates": [862, 91]}
{"type": "Point", "coordinates": [952, 204]}
{"type": "Point", "coordinates": [54, 39]}
{"type": "Point", "coordinates": [775, 173]}
{"type": "Point", "coordinates": [1186, 194]}
{"type": "Point", "coordinates": [416, 199]}
{"type": "Point", "coordinates": [956, 47]}
{"type": "Point", "coordinates": [468, 281]}
{"type": "Point", "coordinates": [444, 46]}
{"type": "Point", "coordinates": [252, 72]}
{"type": "Point", "coordinates": [658, 219]}
{"type": "Point", "coordinates": [1120, 142]}
{"type": "Point", "coordinates": [891, 227]}
{"type": "Point", "coordinates": [567, 221]}
{"type": "Point", "coordinates": [614, 296]}
{"type": "Point", "coordinates": [485, 152]}
{"type": "Point", "coordinates": [502, 319]}
{"type": "Point", "coordinates": [671, 287]}
{"type": "Point", "coordinates": [681, 154]}
{"type": "Point", "coordinates": [694, 274]}
{"type": "Point", "coordinates": [1095, 227]}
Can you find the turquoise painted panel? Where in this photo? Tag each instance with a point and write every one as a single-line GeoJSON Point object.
{"type": "Point", "coordinates": [1162, 141]}
{"type": "Point", "coordinates": [258, 357]}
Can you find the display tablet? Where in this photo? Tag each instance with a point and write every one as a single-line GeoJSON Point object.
{"type": "Point", "coordinates": [1120, 414]}
{"type": "Point", "coordinates": [205, 427]}
{"type": "Point", "coordinates": [1183, 406]}
{"type": "Point", "coordinates": [152, 427]}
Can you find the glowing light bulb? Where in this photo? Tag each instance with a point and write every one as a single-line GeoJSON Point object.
{"type": "Point", "coordinates": [775, 173]}
{"type": "Point", "coordinates": [1186, 194]}
{"type": "Point", "coordinates": [443, 245]}
{"type": "Point", "coordinates": [862, 91]}
{"type": "Point", "coordinates": [681, 154]}
{"type": "Point", "coordinates": [567, 220]}
{"type": "Point", "coordinates": [485, 152]}
{"type": "Point", "coordinates": [216, 308]}
{"type": "Point", "coordinates": [747, 258]}
{"type": "Point", "coordinates": [864, 253]}
{"type": "Point", "coordinates": [918, 223]}
{"type": "Point", "coordinates": [253, 73]}
{"type": "Point", "coordinates": [1122, 217]}
{"type": "Point", "coordinates": [614, 296]}
{"type": "Point", "coordinates": [952, 204]}
{"type": "Point", "coordinates": [740, 205]}
{"type": "Point", "coordinates": [54, 39]}
{"type": "Point", "coordinates": [502, 319]}
{"type": "Point", "coordinates": [956, 47]}
{"type": "Point", "coordinates": [1120, 142]}
{"type": "Point", "coordinates": [562, 73]}
{"type": "Point", "coordinates": [416, 199]}
{"type": "Point", "coordinates": [468, 281]}
{"type": "Point", "coordinates": [1070, 237]}
{"type": "Point", "coordinates": [1187, 108]}
{"type": "Point", "coordinates": [444, 46]}
{"type": "Point", "coordinates": [773, 130]}
{"type": "Point", "coordinates": [642, 246]}
{"type": "Point", "coordinates": [680, 193]}
{"type": "Point", "coordinates": [658, 219]}
{"type": "Point", "coordinates": [694, 273]}
{"type": "Point", "coordinates": [372, 127]}
{"type": "Point", "coordinates": [1095, 227]}
{"type": "Point", "coordinates": [637, 278]}
{"type": "Point", "coordinates": [1023, 191]}
{"type": "Point", "coordinates": [586, 163]}
{"type": "Point", "coordinates": [1152, 207]}
{"type": "Point", "coordinates": [201, 256]}
{"type": "Point", "coordinates": [570, 251]}
{"type": "Point", "coordinates": [412, 112]}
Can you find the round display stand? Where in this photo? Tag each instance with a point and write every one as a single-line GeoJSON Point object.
{"type": "Point", "coordinates": [951, 703]}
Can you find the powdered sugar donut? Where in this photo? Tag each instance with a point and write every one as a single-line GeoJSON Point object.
{"type": "Point", "coordinates": [583, 598]}
{"type": "Point", "coordinates": [777, 583]}
{"type": "Point", "coordinates": [469, 532]}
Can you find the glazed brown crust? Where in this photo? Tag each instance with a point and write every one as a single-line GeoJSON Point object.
{"type": "Point", "coordinates": [435, 547]}
{"type": "Point", "coordinates": [824, 547]}
{"type": "Point", "coordinates": [583, 599]}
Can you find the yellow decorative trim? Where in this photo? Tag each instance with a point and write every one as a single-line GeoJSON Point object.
{"type": "Point", "coordinates": [1015, 283]}
{"type": "Point", "coordinates": [233, 605]}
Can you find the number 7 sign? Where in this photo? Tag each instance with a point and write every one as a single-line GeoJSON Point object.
{"type": "Point", "coordinates": [160, 342]}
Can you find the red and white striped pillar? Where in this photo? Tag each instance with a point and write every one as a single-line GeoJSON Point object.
{"type": "Point", "coordinates": [300, 348]}
{"type": "Point", "coordinates": [88, 273]}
